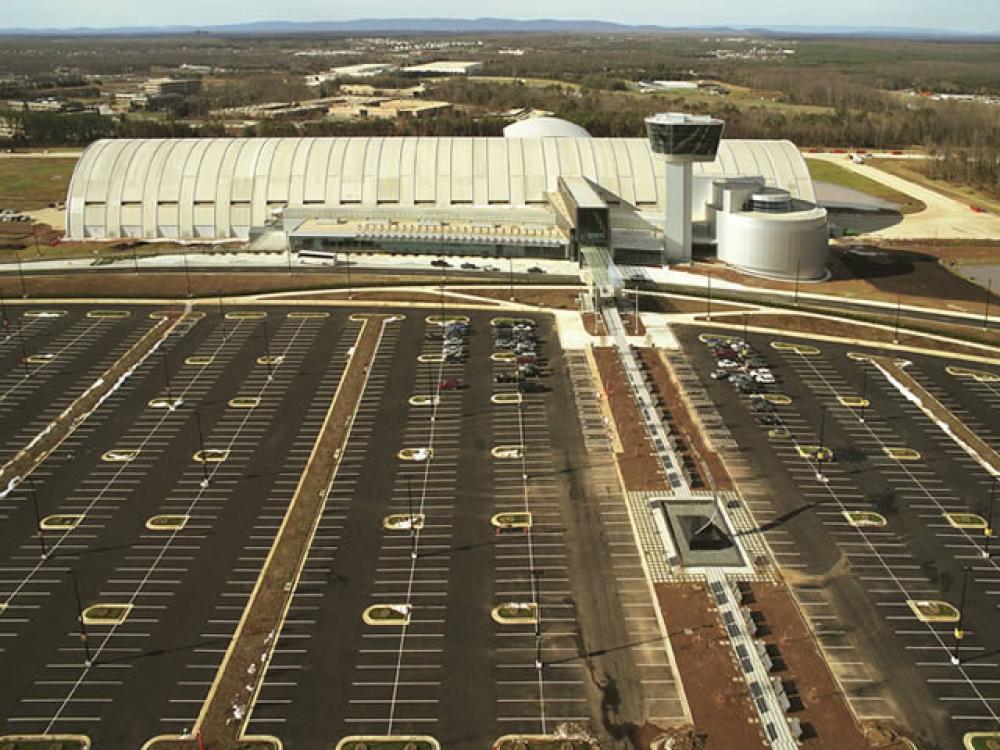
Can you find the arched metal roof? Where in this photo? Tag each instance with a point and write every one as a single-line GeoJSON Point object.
{"type": "Point", "coordinates": [544, 127]}
{"type": "Point", "coordinates": [217, 188]}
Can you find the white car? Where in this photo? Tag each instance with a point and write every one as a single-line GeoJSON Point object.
{"type": "Point", "coordinates": [728, 364]}
{"type": "Point", "coordinates": [763, 376]}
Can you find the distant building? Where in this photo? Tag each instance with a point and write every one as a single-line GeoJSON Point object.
{"type": "Point", "coordinates": [364, 70]}
{"type": "Point", "coordinates": [195, 70]}
{"type": "Point", "coordinates": [161, 87]}
{"type": "Point", "coordinates": [668, 85]}
{"type": "Point", "coordinates": [444, 68]}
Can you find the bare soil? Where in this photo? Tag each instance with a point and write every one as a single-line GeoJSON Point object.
{"type": "Point", "coordinates": [593, 324]}
{"type": "Point", "coordinates": [656, 303]}
{"type": "Point", "coordinates": [716, 692]}
{"type": "Point", "coordinates": [817, 701]}
{"type": "Point", "coordinates": [710, 469]}
{"type": "Point", "coordinates": [559, 299]}
{"type": "Point", "coordinates": [640, 468]}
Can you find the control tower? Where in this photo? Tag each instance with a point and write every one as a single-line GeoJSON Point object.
{"type": "Point", "coordinates": [681, 140]}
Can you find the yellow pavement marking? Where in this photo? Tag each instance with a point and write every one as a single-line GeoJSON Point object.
{"type": "Point", "coordinates": [430, 358]}
{"type": "Point", "coordinates": [403, 522]}
{"type": "Point", "coordinates": [777, 432]}
{"type": "Point", "coordinates": [246, 315]}
{"type": "Point", "coordinates": [507, 321]}
{"type": "Point", "coordinates": [980, 376]}
{"type": "Point", "coordinates": [244, 402]}
{"type": "Point", "coordinates": [43, 313]}
{"type": "Point", "coordinates": [529, 741]}
{"type": "Point", "coordinates": [443, 320]}
{"type": "Point", "coordinates": [117, 314]}
{"type": "Point", "coordinates": [981, 740]}
{"type": "Point", "coordinates": [778, 399]}
{"type": "Point", "coordinates": [306, 314]}
{"type": "Point", "coordinates": [503, 357]}
{"type": "Point", "coordinates": [518, 520]}
{"type": "Point", "coordinates": [506, 398]}
{"type": "Point", "coordinates": [854, 401]}
{"type": "Point", "coordinates": [966, 521]}
{"type": "Point", "coordinates": [815, 452]}
{"type": "Point", "coordinates": [61, 522]}
{"type": "Point", "coordinates": [394, 741]}
{"type": "Point", "coordinates": [708, 338]}
{"type": "Point", "coordinates": [106, 613]}
{"type": "Point", "coordinates": [164, 403]}
{"type": "Point", "coordinates": [39, 359]}
{"type": "Point", "coordinates": [515, 613]}
{"type": "Point", "coordinates": [3, 607]}
{"type": "Point", "coordinates": [416, 454]}
{"type": "Point", "coordinates": [933, 610]}
{"type": "Point", "coordinates": [45, 741]}
{"type": "Point", "coordinates": [120, 456]}
{"type": "Point", "coordinates": [200, 359]}
{"type": "Point", "coordinates": [864, 518]}
{"type": "Point", "coordinates": [387, 614]}
{"type": "Point", "coordinates": [167, 522]}
{"type": "Point", "coordinates": [507, 451]}
{"type": "Point", "coordinates": [270, 359]}
{"type": "Point", "coordinates": [211, 456]}
{"type": "Point", "coordinates": [788, 346]}
{"type": "Point", "coordinates": [424, 400]}
{"type": "Point", "coordinates": [902, 454]}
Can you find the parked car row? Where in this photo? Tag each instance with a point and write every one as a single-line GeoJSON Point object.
{"type": "Point", "coordinates": [747, 371]}
{"type": "Point", "coordinates": [520, 339]}
{"type": "Point", "coordinates": [454, 342]}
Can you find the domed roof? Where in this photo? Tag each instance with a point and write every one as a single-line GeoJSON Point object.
{"type": "Point", "coordinates": [544, 127]}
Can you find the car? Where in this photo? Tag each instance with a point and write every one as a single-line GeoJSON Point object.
{"type": "Point", "coordinates": [727, 364]}
{"type": "Point", "coordinates": [536, 269]}
{"type": "Point", "coordinates": [469, 266]}
{"type": "Point", "coordinates": [440, 263]}
{"type": "Point", "coordinates": [770, 418]}
{"type": "Point", "coordinates": [531, 386]}
{"type": "Point", "coordinates": [449, 384]}
{"type": "Point", "coordinates": [761, 405]}
{"type": "Point", "coordinates": [505, 377]}
{"type": "Point", "coordinates": [527, 359]}
{"type": "Point", "coordinates": [720, 375]}
{"type": "Point", "coordinates": [529, 371]}
{"type": "Point", "coordinates": [504, 343]}
{"type": "Point", "coordinates": [764, 378]}
{"type": "Point", "coordinates": [524, 348]}
{"type": "Point", "coordinates": [433, 336]}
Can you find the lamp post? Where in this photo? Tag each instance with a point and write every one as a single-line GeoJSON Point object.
{"type": "Point", "coordinates": [864, 392]}
{"type": "Point", "coordinates": [267, 352]}
{"type": "Point", "coordinates": [20, 276]}
{"type": "Point", "coordinates": [510, 265]}
{"type": "Point", "coordinates": [991, 505]}
{"type": "Point", "coordinates": [708, 283]}
{"type": "Point", "coordinates": [959, 632]}
{"type": "Point", "coordinates": [38, 518]}
{"type": "Point", "coordinates": [83, 625]}
{"type": "Point", "coordinates": [166, 379]}
{"type": "Point", "coordinates": [187, 272]}
{"type": "Point", "coordinates": [201, 448]}
{"type": "Point", "coordinates": [413, 521]}
{"type": "Point", "coordinates": [895, 327]}
{"type": "Point", "coordinates": [989, 293]}
{"type": "Point", "coordinates": [798, 270]}
{"type": "Point", "coordinates": [819, 452]}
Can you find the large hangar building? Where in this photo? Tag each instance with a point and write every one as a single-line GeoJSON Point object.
{"type": "Point", "coordinates": [546, 189]}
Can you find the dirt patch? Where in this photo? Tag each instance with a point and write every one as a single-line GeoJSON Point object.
{"type": "Point", "coordinates": [716, 692]}
{"type": "Point", "coordinates": [817, 701]}
{"type": "Point", "coordinates": [374, 295]}
{"type": "Point", "coordinates": [702, 462]}
{"type": "Point", "coordinates": [228, 705]}
{"type": "Point", "coordinates": [29, 458]}
{"type": "Point", "coordinates": [656, 303]}
{"type": "Point", "coordinates": [593, 324]}
{"type": "Point", "coordinates": [882, 271]}
{"type": "Point", "coordinates": [806, 324]}
{"type": "Point", "coordinates": [556, 298]}
{"type": "Point", "coordinates": [640, 468]}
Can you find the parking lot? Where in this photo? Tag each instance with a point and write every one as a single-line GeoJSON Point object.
{"type": "Point", "coordinates": [162, 507]}
{"type": "Point", "coordinates": [865, 492]}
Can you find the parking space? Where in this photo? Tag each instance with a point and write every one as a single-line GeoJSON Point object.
{"type": "Point", "coordinates": [850, 503]}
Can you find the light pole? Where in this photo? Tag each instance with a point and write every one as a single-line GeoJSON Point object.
{"type": "Point", "coordinates": [413, 521]}
{"type": "Point", "coordinates": [864, 392]}
{"type": "Point", "coordinates": [989, 293]}
{"type": "Point", "coordinates": [895, 327]}
{"type": "Point", "coordinates": [991, 505]}
{"type": "Point", "coordinates": [83, 625]}
{"type": "Point", "coordinates": [819, 452]}
{"type": "Point", "coordinates": [798, 270]}
{"type": "Point", "coordinates": [20, 275]}
{"type": "Point", "coordinates": [201, 448]}
{"type": "Point", "coordinates": [187, 272]}
{"type": "Point", "coordinates": [267, 352]}
{"type": "Point", "coordinates": [510, 264]}
{"type": "Point", "coordinates": [38, 518]}
{"type": "Point", "coordinates": [636, 291]}
{"type": "Point", "coordinates": [708, 282]}
{"type": "Point", "coordinates": [166, 379]}
{"type": "Point", "coordinates": [959, 631]}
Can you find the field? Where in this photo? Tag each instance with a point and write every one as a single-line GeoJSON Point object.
{"type": "Point", "coordinates": [961, 193]}
{"type": "Point", "coordinates": [824, 171]}
{"type": "Point", "coordinates": [28, 184]}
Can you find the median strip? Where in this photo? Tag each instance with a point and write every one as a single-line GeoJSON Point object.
{"type": "Point", "coordinates": [230, 701]}
{"type": "Point", "coordinates": [31, 456]}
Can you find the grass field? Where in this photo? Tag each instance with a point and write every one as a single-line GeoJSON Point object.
{"type": "Point", "coordinates": [29, 184]}
{"type": "Point", "coordinates": [824, 171]}
{"type": "Point", "coordinates": [913, 173]}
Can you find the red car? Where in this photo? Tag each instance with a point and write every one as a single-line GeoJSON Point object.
{"type": "Point", "coordinates": [449, 384]}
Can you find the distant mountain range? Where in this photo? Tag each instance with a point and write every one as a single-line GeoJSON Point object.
{"type": "Point", "coordinates": [500, 26]}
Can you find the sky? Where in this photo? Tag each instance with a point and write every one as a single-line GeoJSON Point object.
{"type": "Point", "coordinates": [962, 15]}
